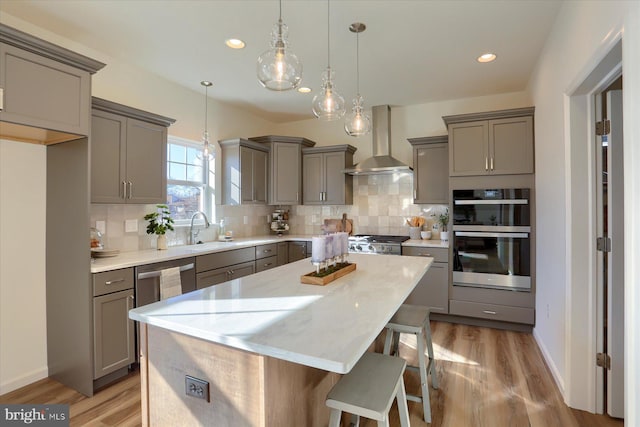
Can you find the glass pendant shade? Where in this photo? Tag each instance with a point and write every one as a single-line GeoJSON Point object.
{"type": "Point", "coordinates": [279, 68]}
{"type": "Point", "coordinates": [206, 155]}
{"type": "Point", "coordinates": [207, 150]}
{"type": "Point", "coordinates": [328, 104]}
{"type": "Point", "coordinates": [357, 123]}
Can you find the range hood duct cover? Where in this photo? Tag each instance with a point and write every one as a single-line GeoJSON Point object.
{"type": "Point", "coordinates": [382, 162]}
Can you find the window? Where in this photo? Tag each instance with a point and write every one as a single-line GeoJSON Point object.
{"type": "Point", "coordinates": [190, 181]}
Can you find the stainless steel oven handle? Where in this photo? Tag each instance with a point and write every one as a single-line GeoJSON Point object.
{"type": "Point", "coordinates": [150, 274]}
{"type": "Point", "coordinates": [486, 234]}
{"type": "Point", "coordinates": [492, 202]}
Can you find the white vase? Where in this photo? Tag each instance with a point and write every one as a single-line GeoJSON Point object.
{"type": "Point", "coordinates": [161, 242]}
{"type": "Point", "coordinates": [444, 235]}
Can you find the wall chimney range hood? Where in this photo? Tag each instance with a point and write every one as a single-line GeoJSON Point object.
{"type": "Point", "coordinates": [381, 162]}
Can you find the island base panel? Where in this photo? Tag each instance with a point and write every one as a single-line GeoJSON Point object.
{"type": "Point", "coordinates": [246, 389]}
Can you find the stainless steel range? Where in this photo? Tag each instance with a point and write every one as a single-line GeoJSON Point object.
{"type": "Point", "coordinates": [373, 244]}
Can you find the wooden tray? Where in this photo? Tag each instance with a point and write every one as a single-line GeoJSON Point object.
{"type": "Point", "coordinates": [310, 279]}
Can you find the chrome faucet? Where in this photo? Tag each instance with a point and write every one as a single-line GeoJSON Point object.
{"type": "Point", "coordinates": [192, 235]}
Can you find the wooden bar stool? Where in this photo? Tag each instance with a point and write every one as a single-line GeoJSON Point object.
{"type": "Point", "coordinates": [368, 390]}
{"type": "Point", "coordinates": [414, 319]}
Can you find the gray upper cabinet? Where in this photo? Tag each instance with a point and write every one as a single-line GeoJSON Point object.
{"type": "Point", "coordinates": [285, 167]}
{"type": "Point", "coordinates": [244, 172]}
{"type": "Point", "coordinates": [493, 143]}
{"type": "Point", "coordinates": [323, 181]}
{"type": "Point", "coordinates": [128, 154]}
{"type": "Point", "coordinates": [43, 86]}
{"type": "Point", "coordinates": [430, 169]}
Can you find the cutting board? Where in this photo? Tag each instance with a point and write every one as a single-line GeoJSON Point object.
{"type": "Point", "coordinates": [337, 225]}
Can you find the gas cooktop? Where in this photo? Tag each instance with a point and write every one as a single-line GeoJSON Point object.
{"type": "Point", "coordinates": [376, 244]}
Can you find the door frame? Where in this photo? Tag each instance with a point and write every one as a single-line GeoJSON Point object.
{"type": "Point", "coordinates": [583, 384]}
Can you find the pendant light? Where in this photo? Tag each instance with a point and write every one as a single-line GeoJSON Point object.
{"type": "Point", "coordinates": [328, 104]}
{"type": "Point", "coordinates": [357, 123]}
{"type": "Point", "coordinates": [207, 150]}
{"type": "Point", "coordinates": [279, 68]}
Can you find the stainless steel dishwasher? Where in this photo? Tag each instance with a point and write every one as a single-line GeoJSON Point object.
{"type": "Point", "coordinates": [147, 287]}
{"type": "Point", "coordinates": [148, 279]}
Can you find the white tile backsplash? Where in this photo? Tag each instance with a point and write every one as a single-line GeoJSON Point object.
{"type": "Point", "coordinates": [381, 205]}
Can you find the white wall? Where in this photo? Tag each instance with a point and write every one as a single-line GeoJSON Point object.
{"type": "Point", "coordinates": [582, 34]}
{"type": "Point", "coordinates": [23, 334]}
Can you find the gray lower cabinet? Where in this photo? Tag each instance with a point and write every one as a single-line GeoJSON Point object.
{"type": "Point", "coordinates": [244, 172]}
{"type": "Point", "coordinates": [323, 180]}
{"type": "Point", "coordinates": [43, 86]}
{"type": "Point", "coordinates": [430, 170]}
{"type": "Point", "coordinates": [492, 143]}
{"type": "Point", "coordinates": [433, 289]}
{"type": "Point", "coordinates": [266, 257]}
{"type": "Point", "coordinates": [113, 331]}
{"type": "Point", "coordinates": [219, 267]}
{"type": "Point", "coordinates": [283, 253]}
{"type": "Point", "coordinates": [493, 304]}
{"type": "Point", "coordinates": [297, 251]}
{"type": "Point", "coordinates": [285, 167]}
{"type": "Point", "coordinates": [128, 154]}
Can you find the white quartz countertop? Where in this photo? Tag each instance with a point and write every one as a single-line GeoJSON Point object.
{"type": "Point", "coordinates": [272, 313]}
{"type": "Point", "coordinates": [426, 243]}
{"type": "Point", "coordinates": [150, 256]}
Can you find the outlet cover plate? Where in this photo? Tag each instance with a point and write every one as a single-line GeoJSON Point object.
{"type": "Point", "coordinates": [131, 226]}
{"type": "Point", "coordinates": [196, 387]}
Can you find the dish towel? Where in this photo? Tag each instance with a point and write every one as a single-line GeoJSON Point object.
{"type": "Point", "coordinates": [170, 284]}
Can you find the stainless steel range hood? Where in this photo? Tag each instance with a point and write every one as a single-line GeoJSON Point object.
{"type": "Point", "coordinates": [381, 162]}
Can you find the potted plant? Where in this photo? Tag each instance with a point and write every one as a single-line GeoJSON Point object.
{"type": "Point", "coordinates": [443, 220]}
{"type": "Point", "coordinates": [159, 222]}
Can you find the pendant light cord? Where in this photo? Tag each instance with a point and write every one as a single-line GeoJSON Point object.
{"type": "Point", "coordinates": [206, 104]}
{"type": "Point", "coordinates": [328, 36]}
{"type": "Point", "coordinates": [358, 63]}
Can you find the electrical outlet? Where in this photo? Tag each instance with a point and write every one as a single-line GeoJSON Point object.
{"type": "Point", "coordinates": [547, 311]}
{"type": "Point", "coordinates": [196, 387]}
{"type": "Point", "coordinates": [246, 220]}
{"type": "Point", "coordinates": [131, 226]}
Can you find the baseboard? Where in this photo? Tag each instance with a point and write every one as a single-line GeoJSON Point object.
{"type": "Point", "coordinates": [24, 380]}
{"type": "Point", "coordinates": [549, 361]}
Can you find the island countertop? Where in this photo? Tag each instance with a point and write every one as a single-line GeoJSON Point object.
{"type": "Point", "coordinates": [271, 313]}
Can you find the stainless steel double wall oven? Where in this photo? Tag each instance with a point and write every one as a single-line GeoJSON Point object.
{"type": "Point", "coordinates": [492, 238]}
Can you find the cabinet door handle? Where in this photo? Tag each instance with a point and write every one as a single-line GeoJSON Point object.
{"type": "Point", "coordinates": [111, 282]}
{"type": "Point", "coordinates": [415, 193]}
{"type": "Point", "coordinates": [297, 197]}
{"type": "Point", "coordinates": [492, 163]}
{"type": "Point", "coordinates": [124, 189]}
{"type": "Point", "coordinates": [321, 196]}
{"type": "Point", "coordinates": [130, 189]}
{"type": "Point", "coordinates": [489, 312]}
{"type": "Point", "coordinates": [486, 163]}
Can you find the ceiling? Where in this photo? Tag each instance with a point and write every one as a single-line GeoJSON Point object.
{"type": "Point", "coordinates": [412, 52]}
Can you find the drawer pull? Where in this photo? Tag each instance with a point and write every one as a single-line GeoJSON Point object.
{"type": "Point", "coordinates": [266, 251]}
{"type": "Point", "coordinates": [489, 312]}
{"type": "Point", "coordinates": [111, 282]}
{"type": "Point", "coordinates": [267, 264]}
{"type": "Point", "coordinates": [425, 254]}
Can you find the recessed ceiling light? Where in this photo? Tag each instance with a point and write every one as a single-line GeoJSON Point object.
{"type": "Point", "coordinates": [234, 43]}
{"type": "Point", "coordinates": [487, 57]}
{"type": "Point", "coordinates": [304, 89]}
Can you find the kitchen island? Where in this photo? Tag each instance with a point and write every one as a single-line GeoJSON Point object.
{"type": "Point", "coordinates": [269, 347]}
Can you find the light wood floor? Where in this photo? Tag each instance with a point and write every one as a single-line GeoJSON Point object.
{"type": "Point", "coordinates": [488, 377]}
